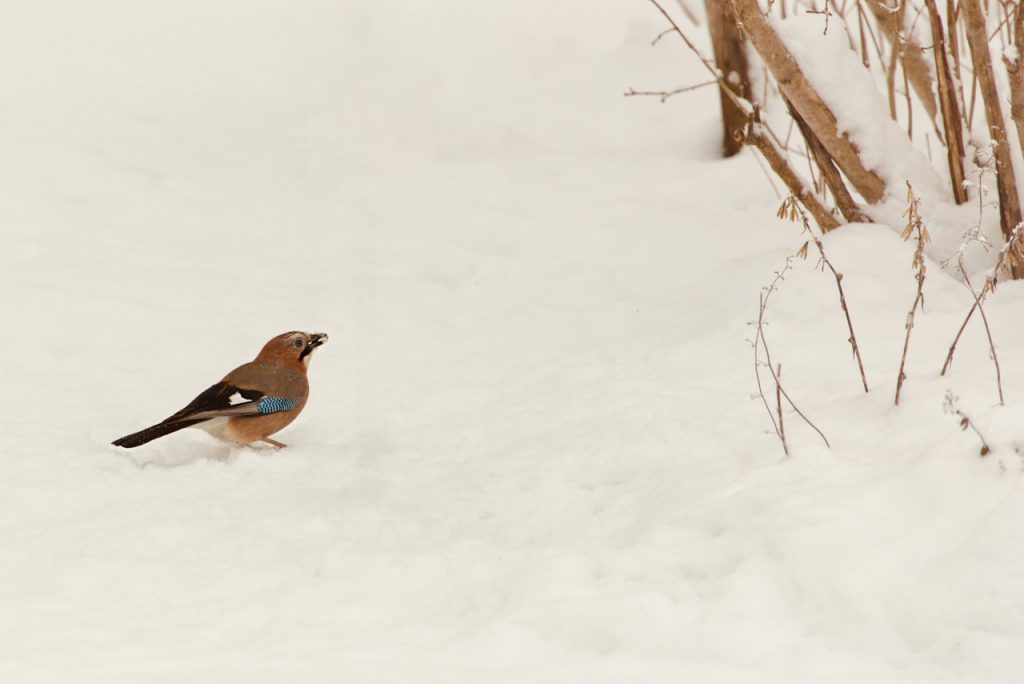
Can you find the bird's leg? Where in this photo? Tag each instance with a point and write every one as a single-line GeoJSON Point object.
{"type": "Point", "coordinates": [274, 442]}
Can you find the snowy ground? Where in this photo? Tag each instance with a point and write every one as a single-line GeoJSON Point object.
{"type": "Point", "coordinates": [531, 452]}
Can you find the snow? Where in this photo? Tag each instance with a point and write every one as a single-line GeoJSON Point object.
{"type": "Point", "coordinates": [861, 112]}
{"type": "Point", "coordinates": [835, 70]}
{"type": "Point", "coordinates": [531, 451]}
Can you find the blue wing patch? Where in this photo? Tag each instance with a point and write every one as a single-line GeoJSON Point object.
{"type": "Point", "coordinates": [276, 404]}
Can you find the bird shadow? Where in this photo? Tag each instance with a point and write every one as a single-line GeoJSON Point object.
{"type": "Point", "coordinates": [168, 457]}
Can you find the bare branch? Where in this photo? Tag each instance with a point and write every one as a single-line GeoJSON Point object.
{"type": "Point", "coordinates": [1016, 77]}
{"type": "Point", "coordinates": [755, 134]}
{"type": "Point", "coordinates": [731, 59]}
{"type": "Point", "coordinates": [1009, 201]}
{"type": "Point", "coordinates": [830, 174]}
{"type": "Point", "coordinates": [708, 64]}
{"type": "Point", "coordinates": [911, 55]}
{"type": "Point", "coordinates": [665, 94]}
{"type": "Point", "coordinates": [951, 118]}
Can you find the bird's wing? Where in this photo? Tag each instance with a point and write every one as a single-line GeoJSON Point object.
{"type": "Point", "coordinates": [219, 397]}
{"type": "Point", "coordinates": [221, 400]}
{"type": "Point", "coordinates": [225, 399]}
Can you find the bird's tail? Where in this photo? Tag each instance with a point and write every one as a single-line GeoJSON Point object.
{"type": "Point", "coordinates": [149, 434]}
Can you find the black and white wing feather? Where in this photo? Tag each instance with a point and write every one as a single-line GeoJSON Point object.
{"type": "Point", "coordinates": [220, 400]}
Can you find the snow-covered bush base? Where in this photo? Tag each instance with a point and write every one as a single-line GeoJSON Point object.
{"type": "Point", "coordinates": [531, 452]}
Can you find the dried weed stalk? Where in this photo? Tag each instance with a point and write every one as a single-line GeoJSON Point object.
{"type": "Point", "coordinates": [914, 225]}
{"type": "Point", "coordinates": [761, 343]}
{"type": "Point", "coordinates": [988, 331]}
{"type": "Point", "coordinates": [791, 210]}
{"type": "Point", "coordinates": [951, 405]}
{"type": "Point", "coordinates": [1011, 250]}
{"type": "Point", "coordinates": [976, 235]}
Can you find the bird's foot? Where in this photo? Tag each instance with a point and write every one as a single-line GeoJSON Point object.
{"type": "Point", "coordinates": [274, 442]}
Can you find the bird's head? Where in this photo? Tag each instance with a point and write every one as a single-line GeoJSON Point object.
{"type": "Point", "coordinates": [292, 348]}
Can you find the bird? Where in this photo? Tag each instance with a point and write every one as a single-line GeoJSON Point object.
{"type": "Point", "coordinates": [252, 402]}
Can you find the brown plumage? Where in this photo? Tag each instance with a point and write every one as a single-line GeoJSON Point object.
{"type": "Point", "coordinates": [252, 402]}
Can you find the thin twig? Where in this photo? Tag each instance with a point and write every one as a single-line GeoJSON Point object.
{"type": "Point", "coordinates": [879, 53]}
{"type": "Point", "coordinates": [841, 11]}
{"type": "Point", "coordinates": [665, 94]}
{"type": "Point", "coordinates": [778, 408]}
{"type": "Point", "coordinates": [910, 105]}
{"type": "Point", "coordinates": [756, 129]}
{"type": "Point", "coordinates": [768, 175]}
{"type": "Point", "coordinates": [999, 29]}
{"type": "Point", "coordinates": [863, 41]}
{"type": "Point", "coordinates": [896, 19]}
{"type": "Point", "coordinates": [657, 38]}
{"type": "Point", "coordinates": [974, 93]}
{"type": "Point", "coordinates": [758, 336]}
{"type": "Point", "coordinates": [824, 12]}
{"type": "Point", "coordinates": [760, 342]}
{"type": "Point", "coordinates": [708, 64]}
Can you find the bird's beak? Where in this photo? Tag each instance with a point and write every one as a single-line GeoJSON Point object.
{"type": "Point", "coordinates": [315, 340]}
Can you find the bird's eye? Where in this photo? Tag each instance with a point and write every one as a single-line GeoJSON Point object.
{"type": "Point", "coordinates": [298, 343]}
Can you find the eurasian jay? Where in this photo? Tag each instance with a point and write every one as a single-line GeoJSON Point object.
{"type": "Point", "coordinates": [253, 401]}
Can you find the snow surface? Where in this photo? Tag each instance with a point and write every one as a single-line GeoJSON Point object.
{"type": "Point", "coordinates": [857, 100]}
{"type": "Point", "coordinates": [531, 452]}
